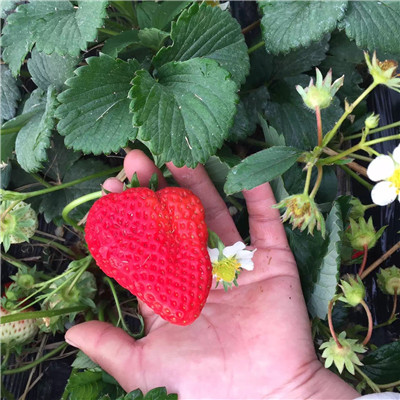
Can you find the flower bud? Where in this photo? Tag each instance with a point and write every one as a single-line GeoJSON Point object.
{"type": "Point", "coordinates": [353, 290]}
{"type": "Point", "coordinates": [372, 121]}
{"type": "Point", "coordinates": [357, 210]}
{"type": "Point", "coordinates": [363, 234]}
{"type": "Point", "coordinates": [389, 280]}
{"type": "Point", "coordinates": [321, 94]}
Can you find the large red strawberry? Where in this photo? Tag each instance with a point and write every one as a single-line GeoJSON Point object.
{"type": "Point", "coordinates": [155, 245]}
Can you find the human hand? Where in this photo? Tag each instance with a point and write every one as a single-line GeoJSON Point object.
{"type": "Point", "coordinates": [251, 342]}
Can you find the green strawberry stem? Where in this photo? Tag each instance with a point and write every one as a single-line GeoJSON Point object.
{"type": "Point", "coordinates": [117, 305]}
{"type": "Point", "coordinates": [36, 362]}
{"type": "Point", "coordinates": [381, 128]}
{"type": "Point", "coordinates": [41, 180]}
{"type": "Point", "coordinates": [349, 109]}
{"type": "Point", "coordinates": [360, 146]}
{"type": "Point", "coordinates": [317, 182]}
{"type": "Point", "coordinates": [13, 261]}
{"type": "Point", "coordinates": [41, 314]}
{"type": "Point", "coordinates": [6, 357]}
{"type": "Point", "coordinates": [369, 381]}
{"type": "Point", "coordinates": [357, 177]}
{"type": "Point", "coordinates": [54, 244]}
{"type": "Point", "coordinates": [75, 203]}
{"type": "Point", "coordinates": [255, 47]}
{"type": "Point", "coordinates": [308, 180]}
{"type": "Point", "coordinates": [23, 196]}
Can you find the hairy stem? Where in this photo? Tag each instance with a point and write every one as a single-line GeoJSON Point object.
{"type": "Point", "coordinates": [394, 305]}
{"type": "Point", "coordinates": [380, 260]}
{"type": "Point", "coordinates": [36, 362]}
{"type": "Point", "coordinates": [364, 261]}
{"type": "Point", "coordinates": [370, 322]}
{"type": "Point", "coordinates": [330, 323]}
{"type": "Point", "coordinates": [319, 125]}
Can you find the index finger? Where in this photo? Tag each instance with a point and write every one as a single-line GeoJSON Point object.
{"type": "Point", "coordinates": [266, 228]}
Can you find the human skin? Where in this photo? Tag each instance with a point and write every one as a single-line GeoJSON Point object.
{"type": "Point", "coordinates": [252, 342]}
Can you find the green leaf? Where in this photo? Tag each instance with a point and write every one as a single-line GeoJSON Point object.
{"type": "Point", "coordinates": [94, 114]}
{"type": "Point", "coordinates": [34, 138]}
{"type": "Point", "coordinates": [184, 115]}
{"type": "Point", "coordinates": [51, 69]}
{"type": "Point", "coordinates": [292, 24]}
{"type": "Point", "coordinates": [383, 364]}
{"type": "Point", "coordinates": [260, 167]}
{"type": "Point", "coordinates": [152, 38]}
{"type": "Point", "coordinates": [158, 15]}
{"type": "Point", "coordinates": [82, 361]}
{"type": "Point", "coordinates": [328, 272]}
{"type": "Point", "coordinates": [373, 25]}
{"type": "Point", "coordinates": [115, 44]}
{"type": "Point", "coordinates": [7, 146]}
{"type": "Point", "coordinates": [271, 136]}
{"type": "Point", "coordinates": [6, 6]}
{"type": "Point", "coordinates": [204, 31]}
{"type": "Point", "coordinates": [55, 26]}
{"type": "Point", "coordinates": [242, 126]}
{"type": "Point", "coordinates": [9, 93]}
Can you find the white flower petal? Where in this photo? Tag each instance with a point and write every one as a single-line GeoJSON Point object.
{"type": "Point", "coordinates": [247, 264]}
{"type": "Point", "coordinates": [245, 254]}
{"type": "Point", "coordinates": [213, 253]}
{"type": "Point", "coordinates": [396, 154]}
{"type": "Point", "coordinates": [231, 251]}
{"type": "Point", "coordinates": [383, 193]}
{"type": "Point", "coordinates": [380, 168]}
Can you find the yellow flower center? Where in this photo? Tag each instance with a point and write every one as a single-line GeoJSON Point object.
{"type": "Point", "coordinates": [395, 179]}
{"type": "Point", "coordinates": [225, 269]}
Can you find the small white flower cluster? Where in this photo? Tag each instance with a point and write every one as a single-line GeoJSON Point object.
{"type": "Point", "coordinates": [385, 169]}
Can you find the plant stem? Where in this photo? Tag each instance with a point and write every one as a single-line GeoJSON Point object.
{"type": "Point", "coordinates": [14, 261]}
{"type": "Point", "coordinates": [389, 385]}
{"type": "Point", "coordinates": [308, 180]}
{"type": "Point", "coordinates": [317, 182]}
{"type": "Point", "coordinates": [251, 26]}
{"type": "Point", "coordinates": [6, 357]}
{"type": "Point", "coordinates": [23, 196]}
{"type": "Point", "coordinates": [370, 383]}
{"type": "Point", "coordinates": [114, 293]}
{"type": "Point", "coordinates": [9, 208]}
{"type": "Point", "coordinates": [383, 139]}
{"type": "Point", "coordinates": [383, 128]}
{"type": "Point", "coordinates": [370, 322]}
{"type": "Point", "coordinates": [41, 180]}
{"type": "Point", "coordinates": [364, 261]}
{"type": "Point", "coordinates": [108, 31]}
{"type": "Point", "coordinates": [255, 47]}
{"type": "Point", "coordinates": [41, 314]}
{"type": "Point", "coordinates": [77, 202]}
{"type": "Point", "coordinates": [328, 137]}
{"type": "Point", "coordinates": [394, 305]}
{"type": "Point", "coordinates": [330, 323]}
{"type": "Point", "coordinates": [356, 177]}
{"type": "Point", "coordinates": [380, 260]}
{"type": "Point", "coordinates": [36, 362]}
{"type": "Point", "coordinates": [54, 244]}
{"type": "Point", "coordinates": [319, 125]}
{"type": "Point", "coordinates": [255, 142]}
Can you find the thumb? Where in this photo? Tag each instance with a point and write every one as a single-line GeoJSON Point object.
{"type": "Point", "coordinates": [112, 349]}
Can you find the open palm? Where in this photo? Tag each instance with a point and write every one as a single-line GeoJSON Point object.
{"type": "Point", "coordinates": [249, 343]}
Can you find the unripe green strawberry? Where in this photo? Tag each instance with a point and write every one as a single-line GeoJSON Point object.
{"type": "Point", "coordinates": [18, 332]}
{"type": "Point", "coordinates": [18, 224]}
{"type": "Point", "coordinates": [155, 245]}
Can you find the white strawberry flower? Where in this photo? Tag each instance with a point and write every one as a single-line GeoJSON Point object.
{"type": "Point", "coordinates": [227, 266]}
{"type": "Point", "coordinates": [385, 169]}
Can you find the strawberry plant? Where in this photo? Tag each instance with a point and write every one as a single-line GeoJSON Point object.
{"type": "Point", "coordinates": [287, 96]}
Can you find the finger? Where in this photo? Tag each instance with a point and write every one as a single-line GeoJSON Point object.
{"type": "Point", "coordinates": [113, 185]}
{"type": "Point", "coordinates": [218, 218]}
{"type": "Point", "coordinates": [111, 348]}
{"type": "Point", "coordinates": [266, 228]}
{"type": "Point", "coordinates": [137, 161]}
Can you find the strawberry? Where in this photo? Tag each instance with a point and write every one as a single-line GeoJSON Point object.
{"type": "Point", "coordinates": [18, 332]}
{"type": "Point", "coordinates": [155, 245]}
